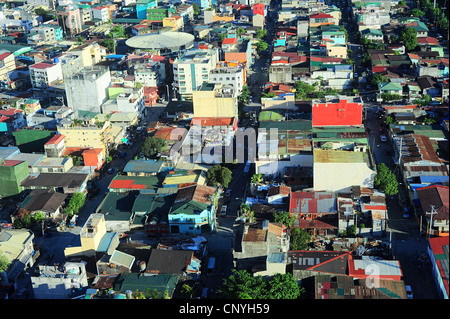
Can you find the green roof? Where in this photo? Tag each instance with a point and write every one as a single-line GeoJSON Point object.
{"type": "Point", "coordinates": [292, 125]}
{"type": "Point", "coordinates": [390, 86]}
{"type": "Point", "coordinates": [188, 208]}
{"type": "Point", "coordinates": [117, 206]}
{"type": "Point", "coordinates": [136, 282]}
{"type": "Point", "coordinates": [270, 115]}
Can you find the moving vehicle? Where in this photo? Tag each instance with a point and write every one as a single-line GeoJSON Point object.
{"type": "Point", "coordinates": [383, 138]}
{"type": "Point", "coordinates": [405, 212]}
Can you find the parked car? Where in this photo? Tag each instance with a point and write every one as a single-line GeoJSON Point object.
{"type": "Point", "coordinates": [409, 292]}
{"type": "Point", "coordinates": [110, 170]}
{"type": "Point", "coordinates": [224, 210]}
{"type": "Point", "coordinates": [405, 212]}
{"type": "Point", "coordinates": [383, 138]}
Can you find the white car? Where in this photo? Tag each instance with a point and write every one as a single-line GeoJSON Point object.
{"type": "Point", "coordinates": [409, 292]}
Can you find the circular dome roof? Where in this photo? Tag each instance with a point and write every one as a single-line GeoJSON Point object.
{"type": "Point", "coordinates": [167, 40]}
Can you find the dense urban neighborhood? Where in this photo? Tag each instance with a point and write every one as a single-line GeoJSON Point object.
{"type": "Point", "coordinates": [224, 149]}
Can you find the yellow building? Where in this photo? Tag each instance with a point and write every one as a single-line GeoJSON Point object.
{"type": "Point", "coordinates": [89, 134]}
{"type": "Point", "coordinates": [90, 237]}
{"type": "Point", "coordinates": [91, 53]}
{"type": "Point", "coordinates": [336, 50]}
{"type": "Point", "coordinates": [174, 22]}
{"type": "Point", "coordinates": [7, 64]}
{"type": "Point", "coordinates": [215, 100]}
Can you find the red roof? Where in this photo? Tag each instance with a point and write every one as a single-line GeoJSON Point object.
{"type": "Point", "coordinates": [10, 163]}
{"type": "Point", "coordinates": [125, 184]}
{"type": "Point", "coordinates": [437, 246]}
{"type": "Point", "coordinates": [212, 121]}
{"type": "Point", "coordinates": [320, 16]}
{"type": "Point", "coordinates": [230, 41]}
{"type": "Point", "coordinates": [41, 65]}
{"type": "Point", "coordinates": [4, 55]}
{"type": "Point", "coordinates": [427, 40]}
{"type": "Point", "coordinates": [56, 139]}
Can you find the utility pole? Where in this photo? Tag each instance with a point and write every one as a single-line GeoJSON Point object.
{"type": "Point", "coordinates": [433, 212]}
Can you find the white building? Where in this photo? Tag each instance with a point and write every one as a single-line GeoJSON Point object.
{"type": "Point", "coordinates": [87, 89]}
{"type": "Point", "coordinates": [45, 74]}
{"type": "Point", "coordinates": [100, 13]}
{"type": "Point", "coordinates": [336, 170]}
{"type": "Point", "coordinates": [193, 68]}
{"type": "Point", "coordinates": [233, 76]}
{"type": "Point", "coordinates": [47, 3]}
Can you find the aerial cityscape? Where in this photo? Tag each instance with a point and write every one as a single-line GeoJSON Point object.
{"type": "Point", "coordinates": [201, 150]}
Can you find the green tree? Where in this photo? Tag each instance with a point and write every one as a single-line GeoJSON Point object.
{"type": "Point", "coordinates": [241, 284]}
{"type": "Point", "coordinates": [219, 175]}
{"type": "Point", "coordinates": [261, 45]}
{"type": "Point", "coordinates": [75, 203]}
{"type": "Point", "coordinates": [187, 291]}
{"type": "Point", "coordinates": [153, 146]}
{"type": "Point", "coordinates": [196, 9]}
{"type": "Point", "coordinates": [299, 239]}
{"type": "Point", "coordinates": [409, 38]}
{"type": "Point", "coordinates": [378, 78]}
{"type": "Point", "coordinates": [261, 33]}
{"type": "Point", "coordinates": [390, 120]}
{"type": "Point", "coordinates": [417, 13]}
{"type": "Point", "coordinates": [283, 286]}
{"type": "Point", "coordinates": [109, 44]}
{"type": "Point", "coordinates": [284, 218]}
{"type": "Point", "coordinates": [302, 90]}
{"type": "Point", "coordinates": [385, 180]}
{"type": "Point", "coordinates": [4, 263]}
{"type": "Point", "coordinates": [256, 178]}
{"type": "Point", "coordinates": [240, 31]}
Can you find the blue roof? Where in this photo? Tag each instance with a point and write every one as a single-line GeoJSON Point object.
{"type": "Point", "coordinates": [116, 56]}
{"type": "Point", "coordinates": [434, 179]}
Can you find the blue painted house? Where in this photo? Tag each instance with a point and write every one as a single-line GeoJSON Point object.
{"type": "Point", "coordinates": [143, 5]}
{"type": "Point", "coordinates": [193, 210]}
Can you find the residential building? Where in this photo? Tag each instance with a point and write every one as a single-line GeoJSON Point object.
{"type": "Point", "coordinates": [193, 68]}
{"type": "Point", "coordinates": [337, 170]}
{"type": "Point", "coordinates": [417, 157]}
{"type": "Point", "coordinates": [87, 89]}
{"type": "Point", "coordinates": [50, 4]}
{"type": "Point", "coordinates": [87, 135]}
{"type": "Point", "coordinates": [11, 119]}
{"type": "Point", "coordinates": [142, 6]}
{"type": "Point", "coordinates": [193, 210]}
{"type": "Point", "coordinates": [54, 282]}
{"type": "Point", "coordinates": [17, 246]}
{"type": "Point", "coordinates": [305, 263]}
{"type": "Point", "coordinates": [438, 254]}
{"type": "Point", "coordinates": [12, 173]}
{"type": "Point", "coordinates": [238, 51]}
{"type": "Point", "coordinates": [174, 22]}
{"type": "Point", "coordinates": [69, 18]}
{"type": "Point", "coordinates": [7, 65]}
{"type": "Point", "coordinates": [262, 247]}
{"type": "Point", "coordinates": [215, 100]}
{"type": "Point", "coordinates": [230, 74]}
{"type": "Point", "coordinates": [337, 111]}
{"type": "Point", "coordinates": [434, 201]}
{"type": "Point", "coordinates": [91, 54]}
{"type": "Point", "coordinates": [49, 203]}
{"type": "Point", "coordinates": [45, 74]}
{"type": "Point", "coordinates": [319, 19]}
{"type": "Point", "coordinates": [68, 183]}
{"type": "Point", "coordinates": [101, 13]}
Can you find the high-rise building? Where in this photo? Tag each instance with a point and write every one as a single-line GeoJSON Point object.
{"type": "Point", "coordinates": [87, 89]}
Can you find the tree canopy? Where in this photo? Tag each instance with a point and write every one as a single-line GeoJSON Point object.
{"type": "Point", "coordinates": [243, 285]}
{"type": "Point", "coordinates": [219, 175]}
{"type": "Point", "coordinates": [299, 239]}
{"type": "Point", "coordinates": [385, 180]}
{"type": "Point", "coordinates": [75, 203]}
{"type": "Point", "coordinates": [284, 218]}
{"type": "Point", "coordinates": [152, 146]}
{"type": "Point", "coordinates": [409, 38]}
